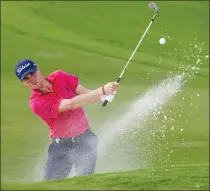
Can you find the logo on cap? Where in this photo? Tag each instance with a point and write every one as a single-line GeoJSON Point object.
{"type": "Point", "coordinates": [19, 70]}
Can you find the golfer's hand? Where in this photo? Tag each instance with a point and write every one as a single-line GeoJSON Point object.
{"type": "Point", "coordinates": [110, 88]}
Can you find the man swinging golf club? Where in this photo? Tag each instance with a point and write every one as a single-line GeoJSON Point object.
{"type": "Point", "coordinates": [58, 100]}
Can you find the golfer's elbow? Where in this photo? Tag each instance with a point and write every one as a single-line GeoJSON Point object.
{"type": "Point", "coordinates": [67, 104]}
{"type": "Point", "coordinates": [80, 100]}
{"type": "Point", "coordinates": [74, 103]}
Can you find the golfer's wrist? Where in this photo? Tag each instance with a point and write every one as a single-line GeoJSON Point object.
{"type": "Point", "coordinates": [103, 90]}
{"type": "Point", "coordinates": [100, 91]}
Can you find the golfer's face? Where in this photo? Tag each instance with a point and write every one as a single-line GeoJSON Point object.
{"type": "Point", "coordinates": [33, 80]}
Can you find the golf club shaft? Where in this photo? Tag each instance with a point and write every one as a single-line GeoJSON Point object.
{"type": "Point", "coordinates": [120, 77]}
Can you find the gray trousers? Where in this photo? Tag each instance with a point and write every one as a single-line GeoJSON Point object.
{"type": "Point", "coordinates": [63, 153]}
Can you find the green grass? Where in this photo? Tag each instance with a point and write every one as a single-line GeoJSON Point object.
{"type": "Point", "coordinates": [94, 40]}
{"type": "Point", "coordinates": [163, 177]}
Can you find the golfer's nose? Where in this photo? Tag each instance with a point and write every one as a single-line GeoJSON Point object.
{"type": "Point", "coordinates": [31, 79]}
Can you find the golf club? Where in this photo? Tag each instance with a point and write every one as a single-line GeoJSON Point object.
{"type": "Point", "coordinates": [153, 6]}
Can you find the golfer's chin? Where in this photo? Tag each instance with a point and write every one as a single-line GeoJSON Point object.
{"type": "Point", "coordinates": [36, 86]}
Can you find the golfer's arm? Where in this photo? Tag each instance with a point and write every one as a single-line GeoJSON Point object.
{"type": "Point", "coordinates": [80, 100]}
{"type": "Point", "coordinates": [82, 90]}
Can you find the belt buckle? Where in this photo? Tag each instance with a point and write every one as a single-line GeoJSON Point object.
{"type": "Point", "coordinates": [73, 139]}
{"type": "Point", "coordinates": [57, 140]}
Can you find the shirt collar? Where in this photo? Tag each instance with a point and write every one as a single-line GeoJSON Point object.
{"type": "Point", "coordinates": [49, 78]}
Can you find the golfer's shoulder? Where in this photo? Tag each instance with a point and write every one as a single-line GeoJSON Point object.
{"type": "Point", "coordinates": [62, 74]}
{"type": "Point", "coordinates": [58, 73]}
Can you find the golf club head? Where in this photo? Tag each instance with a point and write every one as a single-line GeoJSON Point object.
{"type": "Point", "coordinates": [153, 6]}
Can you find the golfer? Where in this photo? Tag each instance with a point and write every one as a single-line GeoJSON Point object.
{"type": "Point", "coordinates": [58, 100]}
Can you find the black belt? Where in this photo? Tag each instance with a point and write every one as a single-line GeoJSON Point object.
{"type": "Point", "coordinates": [71, 139]}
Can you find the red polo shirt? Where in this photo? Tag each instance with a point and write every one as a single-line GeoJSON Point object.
{"type": "Point", "coordinates": [65, 124]}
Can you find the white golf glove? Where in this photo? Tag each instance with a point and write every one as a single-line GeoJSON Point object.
{"type": "Point", "coordinates": [109, 97]}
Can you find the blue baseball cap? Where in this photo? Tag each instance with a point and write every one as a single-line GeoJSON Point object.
{"type": "Point", "coordinates": [24, 67]}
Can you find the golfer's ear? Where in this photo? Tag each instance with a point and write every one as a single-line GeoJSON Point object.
{"type": "Point", "coordinates": [38, 70]}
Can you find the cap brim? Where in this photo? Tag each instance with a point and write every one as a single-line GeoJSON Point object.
{"type": "Point", "coordinates": [27, 72]}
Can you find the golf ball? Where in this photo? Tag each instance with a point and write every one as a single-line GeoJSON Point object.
{"type": "Point", "coordinates": [162, 41]}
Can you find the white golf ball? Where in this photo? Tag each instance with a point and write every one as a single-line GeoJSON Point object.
{"type": "Point", "coordinates": [162, 41]}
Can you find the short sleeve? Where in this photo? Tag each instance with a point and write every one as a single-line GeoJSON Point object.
{"type": "Point", "coordinates": [46, 108]}
{"type": "Point", "coordinates": [73, 81]}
